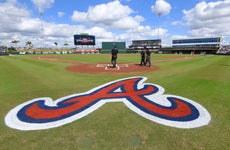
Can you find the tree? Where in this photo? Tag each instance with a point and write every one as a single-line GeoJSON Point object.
{"type": "Point", "coordinates": [29, 44]}
{"type": "Point", "coordinates": [66, 44]}
{"type": "Point", "coordinates": [15, 42]}
{"type": "Point", "coordinates": [56, 44]}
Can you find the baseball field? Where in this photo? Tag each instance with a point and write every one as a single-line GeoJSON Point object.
{"type": "Point", "coordinates": [202, 79]}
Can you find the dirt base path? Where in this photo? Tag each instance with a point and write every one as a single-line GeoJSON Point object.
{"type": "Point", "coordinates": [105, 68]}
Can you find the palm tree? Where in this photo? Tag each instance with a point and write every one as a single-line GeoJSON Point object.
{"type": "Point", "coordinates": [29, 44]}
{"type": "Point", "coordinates": [15, 42]}
{"type": "Point", "coordinates": [66, 44]}
{"type": "Point", "coordinates": [56, 44]}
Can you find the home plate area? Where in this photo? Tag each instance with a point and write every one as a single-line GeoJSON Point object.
{"type": "Point", "coordinates": [110, 66]}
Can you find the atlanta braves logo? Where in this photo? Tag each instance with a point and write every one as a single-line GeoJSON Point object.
{"type": "Point", "coordinates": [147, 100]}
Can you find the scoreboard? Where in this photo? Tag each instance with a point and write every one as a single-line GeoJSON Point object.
{"type": "Point", "coordinates": [80, 39]}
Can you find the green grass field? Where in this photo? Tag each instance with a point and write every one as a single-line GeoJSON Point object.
{"type": "Point", "coordinates": [204, 79]}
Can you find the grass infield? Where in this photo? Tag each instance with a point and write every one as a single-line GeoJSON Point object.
{"type": "Point", "coordinates": [204, 79]}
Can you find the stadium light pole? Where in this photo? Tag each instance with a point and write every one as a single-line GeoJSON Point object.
{"type": "Point", "coordinates": [42, 30]}
{"type": "Point", "coordinates": [158, 15]}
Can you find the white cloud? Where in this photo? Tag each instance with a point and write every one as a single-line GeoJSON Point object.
{"type": "Point", "coordinates": [18, 23]}
{"type": "Point", "coordinates": [60, 14]}
{"type": "Point", "coordinates": [110, 15]}
{"type": "Point", "coordinates": [111, 11]}
{"type": "Point", "coordinates": [178, 23]}
{"type": "Point", "coordinates": [209, 19]}
{"type": "Point", "coordinates": [79, 16]}
{"type": "Point", "coordinates": [161, 7]}
{"type": "Point", "coordinates": [28, 25]}
{"type": "Point", "coordinates": [179, 37]}
{"type": "Point", "coordinates": [125, 23]}
{"type": "Point", "coordinates": [43, 4]}
{"type": "Point", "coordinates": [12, 16]}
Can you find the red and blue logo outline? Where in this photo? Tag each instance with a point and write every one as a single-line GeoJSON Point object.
{"type": "Point", "coordinates": [146, 99]}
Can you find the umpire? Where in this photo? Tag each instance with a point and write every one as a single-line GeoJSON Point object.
{"type": "Point", "coordinates": [148, 57]}
{"type": "Point", "coordinates": [114, 53]}
{"type": "Point", "coordinates": [142, 58]}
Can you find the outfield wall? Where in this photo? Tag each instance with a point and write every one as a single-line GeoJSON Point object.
{"type": "Point", "coordinates": [107, 46]}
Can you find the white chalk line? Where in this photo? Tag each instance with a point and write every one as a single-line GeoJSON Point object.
{"type": "Point", "coordinates": [110, 67]}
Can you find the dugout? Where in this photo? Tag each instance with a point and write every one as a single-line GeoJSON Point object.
{"type": "Point", "coordinates": [107, 46]}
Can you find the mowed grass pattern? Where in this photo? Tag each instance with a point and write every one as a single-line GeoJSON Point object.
{"type": "Point", "coordinates": [204, 79]}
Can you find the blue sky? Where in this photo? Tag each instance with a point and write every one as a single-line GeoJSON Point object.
{"type": "Point", "coordinates": [112, 20]}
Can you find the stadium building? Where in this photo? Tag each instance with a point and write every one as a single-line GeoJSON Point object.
{"type": "Point", "coordinates": [224, 50]}
{"type": "Point", "coordinates": [194, 45]}
{"type": "Point", "coordinates": [212, 42]}
{"type": "Point", "coordinates": [152, 45]}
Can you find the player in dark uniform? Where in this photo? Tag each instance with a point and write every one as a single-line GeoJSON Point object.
{"type": "Point", "coordinates": [148, 57]}
{"type": "Point", "coordinates": [114, 53]}
{"type": "Point", "coordinates": [142, 58]}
